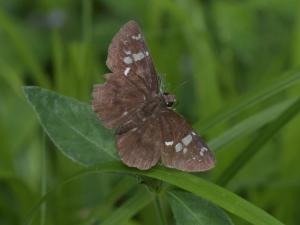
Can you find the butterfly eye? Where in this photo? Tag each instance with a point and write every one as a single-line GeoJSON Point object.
{"type": "Point", "coordinates": [170, 104]}
{"type": "Point", "coordinates": [169, 99]}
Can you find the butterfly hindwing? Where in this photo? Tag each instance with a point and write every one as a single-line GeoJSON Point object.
{"type": "Point", "coordinates": [140, 146]}
{"type": "Point", "coordinates": [129, 56]}
{"type": "Point", "coordinates": [183, 149]}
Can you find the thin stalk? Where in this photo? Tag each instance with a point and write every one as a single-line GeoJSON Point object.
{"type": "Point", "coordinates": [43, 181]}
{"type": "Point", "coordinates": [160, 211]}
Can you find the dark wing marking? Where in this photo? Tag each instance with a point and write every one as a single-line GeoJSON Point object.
{"type": "Point", "coordinates": [115, 100]}
{"type": "Point", "coordinates": [140, 147]}
{"type": "Point", "coordinates": [129, 56]}
{"type": "Point", "coordinates": [183, 149]}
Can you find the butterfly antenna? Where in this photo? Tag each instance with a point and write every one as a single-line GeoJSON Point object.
{"type": "Point", "coordinates": [181, 85]}
{"type": "Point", "coordinates": [162, 86]}
{"type": "Point", "coordinates": [178, 87]}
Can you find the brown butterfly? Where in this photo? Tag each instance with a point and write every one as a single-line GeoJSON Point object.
{"type": "Point", "coordinates": [130, 101]}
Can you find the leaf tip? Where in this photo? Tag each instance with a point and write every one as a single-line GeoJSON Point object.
{"type": "Point", "coordinates": [29, 90]}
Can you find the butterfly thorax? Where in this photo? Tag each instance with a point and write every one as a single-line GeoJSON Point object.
{"type": "Point", "coordinates": [155, 103]}
{"type": "Point", "coordinates": [151, 108]}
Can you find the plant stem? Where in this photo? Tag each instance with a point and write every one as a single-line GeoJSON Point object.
{"type": "Point", "coordinates": [160, 211]}
{"type": "Point", "coordinates": [43, 181]}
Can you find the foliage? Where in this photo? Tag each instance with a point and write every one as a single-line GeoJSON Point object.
{"type": "Point", "coordinates": [233, 67]}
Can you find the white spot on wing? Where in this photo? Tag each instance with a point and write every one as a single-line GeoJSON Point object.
{"type": "Point", "coordinates": [138, 37]}
{"type": "Point", "coordinates": [202, 150]}
{"type": "Point", "coordinates": [126, 71]}
{"type": "Point", "coordinates": [147, 53]}
{"type": "Point", "coordinates": [169, 143]}
{"type": "Point", "coordinates": [185, 150]}
{"type": "Point", "coordinates": [138, 56]}
{"type": "Point", "coordinates": [127, 60]}
{"type": "Point", "coordinates": [178, 147]}
{"type": "Point", "coordinates": [125, 113]}
{"type": "Point", "coordinates": [193, 133]}
{"type": "Point", "coordinates": [187, 139]}
{"type": "Point", "coordinates": [127, 52]}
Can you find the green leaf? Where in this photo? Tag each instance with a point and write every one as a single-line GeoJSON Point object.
{"type": "Point", "coordinates": [72, 126]}
{"type": "Point", "coordinates": [191, 210]}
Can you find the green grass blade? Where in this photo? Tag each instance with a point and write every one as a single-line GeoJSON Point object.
{"type": "Point", "coordinates": [250, 124]}
{"type": "Point", "coordinates": [43, 180]}
{"type": "Point", "coordinates": [87, 20]}
{"type": "Point", "coordinates": [58, 59]}
{"type": "Point", "coordinates": [101, 210]}
{"type": "Point", "coordinates": [22, 48]}
{"type": "Point", "coordinates": [250, 100]}
{"type": "Point", "coordinates": [264, 135]}
{"type": "Point", "coordinates": [109, 201]}
{"type": "Point", "coordinates": [160, 210]}
{"type": "Point", "coordinates": [129, 208]}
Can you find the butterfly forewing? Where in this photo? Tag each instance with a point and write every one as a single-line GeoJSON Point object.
{"type": "Point", "coordinates": [129, 56]}
{"type": "Point", "coordinates": [183, 149]}
{"type": "Point", "coordinates": [116, 100]}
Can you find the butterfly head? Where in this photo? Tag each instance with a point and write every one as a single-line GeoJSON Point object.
{"type": "Point", "coordinates": [169, 99]}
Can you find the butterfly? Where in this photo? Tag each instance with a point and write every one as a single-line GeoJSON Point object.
{"type": "Point", "coordinates": [147, 128]}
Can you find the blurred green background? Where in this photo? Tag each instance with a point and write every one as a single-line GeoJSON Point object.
{"type": "Point", "coordinates": [214, 55]}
